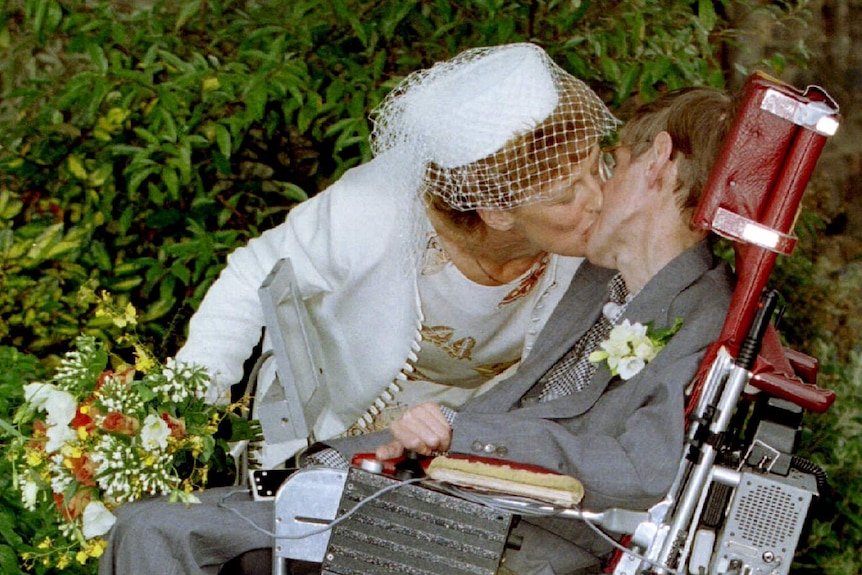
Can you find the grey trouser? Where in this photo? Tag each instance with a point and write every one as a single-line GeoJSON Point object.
{"type": "Point", "coordinates": [155, 536]}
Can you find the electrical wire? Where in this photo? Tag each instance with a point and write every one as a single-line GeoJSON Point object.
{"type": "Point", "coordinates": [532, 508]}
{"type": "Point", "coordinates": [324, 529]}
{"type": "Point", "coordinates": [510, 504]}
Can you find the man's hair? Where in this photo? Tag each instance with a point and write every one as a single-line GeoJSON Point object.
{"type": "Point", "coordinates": [697, 120]}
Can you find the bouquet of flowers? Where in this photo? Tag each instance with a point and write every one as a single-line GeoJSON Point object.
{"type": "Point", "coordinates": [95, 436]}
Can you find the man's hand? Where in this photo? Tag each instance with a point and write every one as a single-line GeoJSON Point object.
{"type": "Point", "coordinates": [422, 429]}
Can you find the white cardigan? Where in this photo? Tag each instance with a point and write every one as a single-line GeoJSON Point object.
{"type": "Point", "coordinates": [347, 247]}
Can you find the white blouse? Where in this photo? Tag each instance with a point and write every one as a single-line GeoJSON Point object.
{"type": "Point", "coordinates": [472, 334]}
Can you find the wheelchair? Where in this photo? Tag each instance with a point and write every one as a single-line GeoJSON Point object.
{"type": "Point", "coordinates": [741, 498]}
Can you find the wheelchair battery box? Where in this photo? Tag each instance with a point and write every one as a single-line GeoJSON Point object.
{"type": "Point", "coordinates": [412, 529]}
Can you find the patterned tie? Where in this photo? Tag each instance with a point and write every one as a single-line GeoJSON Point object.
{"type": "Point", "coordinates": [574, 370]}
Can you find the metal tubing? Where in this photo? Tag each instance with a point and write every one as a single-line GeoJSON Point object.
{"type": "Point", "coordinates": [701, 471]}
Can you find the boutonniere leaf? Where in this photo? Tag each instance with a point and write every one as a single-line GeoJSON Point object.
{"type": "Point", "coordinates": [631, 346]}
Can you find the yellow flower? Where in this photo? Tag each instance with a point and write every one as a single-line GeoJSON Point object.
{"type": "Point", "coordinates": [63, 562]}
{"type": "Point", "coordinates": [71, 451]}
{"type": "Point", "coordinates": [106, 297]}
{"type": "Point", "coordinates": [96, 548]}
{"type": "Point", "coordinates": [33, 457]}
{"type": "Point", "coordinates": [144, 362]}
{"type": "Point", "coordinates": [131, 314]}
{"type": "Point", "coordinates": [197, 444]}
{"type": "Point", "coordinates": [73, 544]}
{"type": "Point", "coordinates": [241, 405]}
{"type": "Point", "coordinates": [129, 317]}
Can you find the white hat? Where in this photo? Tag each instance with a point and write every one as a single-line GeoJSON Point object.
{"type": "Point", "coordinates": [468, 108]}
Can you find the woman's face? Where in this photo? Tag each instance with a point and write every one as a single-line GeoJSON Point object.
{"type": "Point", "coordinates": [561, 225]}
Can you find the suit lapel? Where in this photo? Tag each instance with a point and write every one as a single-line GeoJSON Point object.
{"type": "Point", "coordinates": [651, 304]}
{"type": "Point", "coordinates": [575, 313]}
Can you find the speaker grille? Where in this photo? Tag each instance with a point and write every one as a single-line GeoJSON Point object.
{"type": "Point", "coordinates": [413, 530]}
{"type": "Point", "coordinates": [767, 516]}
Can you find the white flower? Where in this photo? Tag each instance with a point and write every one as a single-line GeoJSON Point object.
{"type": "Point", "coordinates": [628, 367]}
{"type": "Point", "coordinates": [29, 493]}
{"type": "Point", "coordinates": [154, 433]}
{"type": "Point", "coordinates": [90, 433]}
{"type": "Point", "coordinates": [97, 519]}
{"type": "Point", "coordinates": [629, 348]}
{"type": "Point", "coordinates": [60, 407]}
{"type": "Point", "coordinates": [617, 343]}
{"type": "Point", "coordinates": [58, 436]}
{"type": "Point", "coordinates": [36, 394]}
{"type": "Point", "coordinates": [631, 331]}
{"type": "Point", "coordinates": [187, 498]}
{"type": "Point", "coordinates": [645, 350]}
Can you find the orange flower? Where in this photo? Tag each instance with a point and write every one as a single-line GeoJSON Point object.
{"type": "Point", "coordinates": [121, 423]}
{"type": "Point", "coordinates": [126, 376]}
{"type": "Point", "coordinates": [39, 434]}
{"type": "Point", "coordinates": [84, 470]}
{"type": "Point", "coordinates": [176, 425]}
{"type": "Point", "coordinates": [84, 420]}
{"type": "Point", "coordinates": [73, 508]}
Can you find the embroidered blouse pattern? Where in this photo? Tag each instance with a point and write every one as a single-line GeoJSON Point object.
{"type": "Point", "coordinates": [452, 348]}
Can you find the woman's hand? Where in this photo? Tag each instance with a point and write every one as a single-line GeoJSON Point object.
{"type": "Point", "coordinates": [422, 429]}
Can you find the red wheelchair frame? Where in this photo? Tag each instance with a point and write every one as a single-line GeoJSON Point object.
{"type": "Point", "coordinates": [748, 383]}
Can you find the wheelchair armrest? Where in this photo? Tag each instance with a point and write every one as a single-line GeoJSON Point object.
{"type": "Point", "coordinates": [804, 365]}
{"type": "Point", "coordinates": [805, 395]}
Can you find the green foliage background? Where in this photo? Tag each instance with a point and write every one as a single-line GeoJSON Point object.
{"type": "Point", "coordinates": [138, 148]}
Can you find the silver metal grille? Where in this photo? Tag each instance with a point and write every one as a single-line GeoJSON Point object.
{"type": "Point", "coordinates": [413, 530]}
{"type": "Point", "coordinates": [767, 515]}
{"type": "Point", "coordinates": [764, 521]}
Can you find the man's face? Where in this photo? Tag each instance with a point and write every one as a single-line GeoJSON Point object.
{"type": "Point", "coordinates": [622, 197]}
{"type": "Point", "coordinates": [560, 225]}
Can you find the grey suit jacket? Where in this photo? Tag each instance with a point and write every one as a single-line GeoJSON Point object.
{"type": "Point", "coordinates": [622, 439]}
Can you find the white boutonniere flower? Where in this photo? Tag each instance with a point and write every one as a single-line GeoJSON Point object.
{"type": "Point", "coordinates": [630, 346]}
